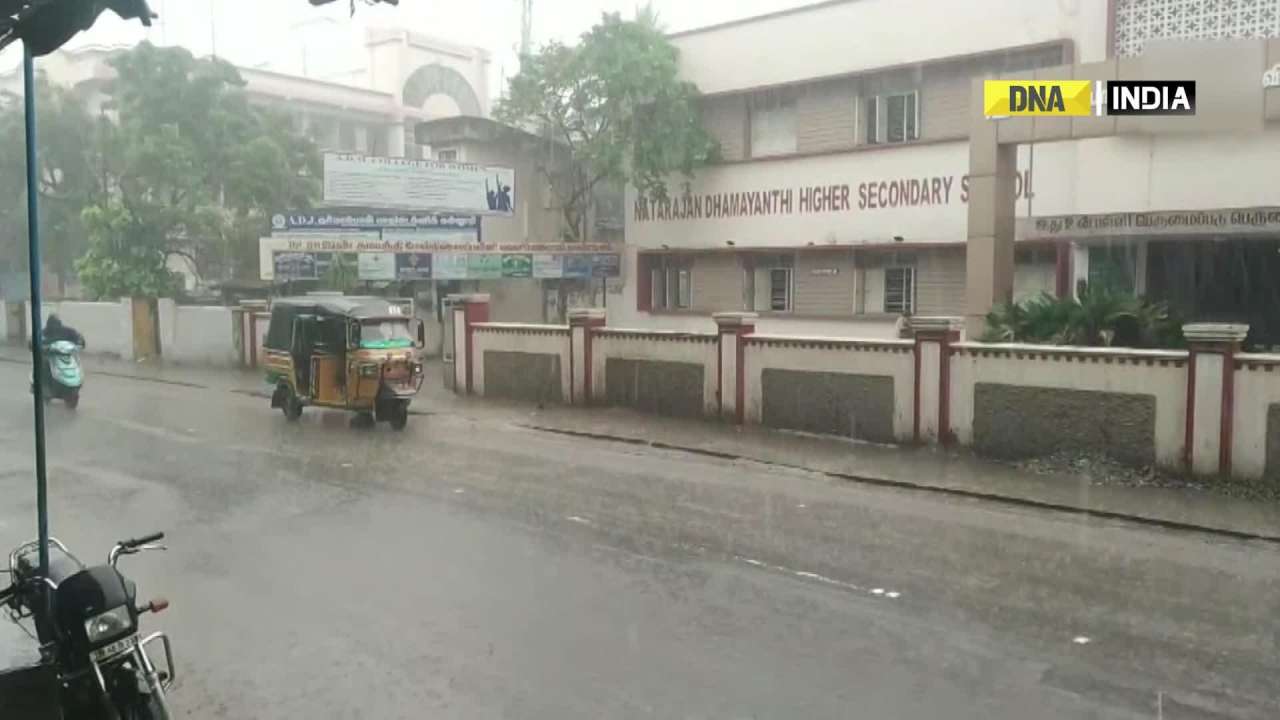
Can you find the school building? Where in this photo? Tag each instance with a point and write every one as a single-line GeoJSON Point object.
{"type": "Point", "coordinates": [841, 199]}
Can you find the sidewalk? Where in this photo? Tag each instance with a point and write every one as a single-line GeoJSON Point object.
{"type": "Point", "coordinates": [957, 472]}
{"type": "Point", "coordinates": [232, 379]}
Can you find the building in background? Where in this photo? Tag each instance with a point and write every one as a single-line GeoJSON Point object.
{"type": "Point", "coordinates": [408, 78]}
{"type": "Point", "coordinates": [537, 219]}
{"type": "Point", "coordinates": [840, 202]}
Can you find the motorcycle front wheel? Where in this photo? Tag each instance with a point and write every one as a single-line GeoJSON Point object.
{"type": "Point", "coordinates": [148, 707]}
{"type": "Point", "coordinates": [73, 399]}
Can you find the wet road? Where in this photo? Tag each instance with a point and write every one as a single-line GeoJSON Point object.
{"type": "Point", "coordinates": [473, 569]}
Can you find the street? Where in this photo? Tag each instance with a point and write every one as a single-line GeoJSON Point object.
{"type": "Point", "coordinates": [470, 568]}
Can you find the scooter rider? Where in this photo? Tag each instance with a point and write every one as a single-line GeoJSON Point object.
{"type": "Point", "coordinates": [54, 331]}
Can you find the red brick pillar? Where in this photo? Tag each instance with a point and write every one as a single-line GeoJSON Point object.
{"type": "Point", "coordinates": [582, 323]}
{"type": "Point", "coordinates": [467, 311]}
{"type": "Point", "coordinates": [732, 331]}
{"type": "Point", "coordinates": [1211, 395]}
{"type": "Point", "coordinates": [933, 338]}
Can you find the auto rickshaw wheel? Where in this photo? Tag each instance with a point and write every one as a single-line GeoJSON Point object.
{"type": "Point", "coordinates": [399, 415]}
{"type": "Point", "coordinates": [292, 407]}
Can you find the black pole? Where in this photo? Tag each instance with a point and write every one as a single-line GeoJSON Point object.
{"type": "Point", "coordinates": [33, 263]}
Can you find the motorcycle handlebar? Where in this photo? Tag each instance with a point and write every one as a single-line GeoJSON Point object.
{"type": "Point", "coordinates": [144, 540]}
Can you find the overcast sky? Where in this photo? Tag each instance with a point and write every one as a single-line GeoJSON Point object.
{"type": "Point", "coordinates": [278, 34]}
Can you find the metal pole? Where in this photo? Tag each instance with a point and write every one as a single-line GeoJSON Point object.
{"type": "Point", "coordinates": [33, 263]}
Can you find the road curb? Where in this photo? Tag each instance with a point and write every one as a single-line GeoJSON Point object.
{"type": "Point", "coordinates": [1012, 500]}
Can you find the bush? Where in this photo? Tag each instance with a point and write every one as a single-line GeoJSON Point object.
{"type": "Point", "coordinates": [1097, 318]}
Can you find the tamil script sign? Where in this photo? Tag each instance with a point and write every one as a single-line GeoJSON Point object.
{"type": "Point", "coordinates": [358, 180]}
{"type": "Point", "coordinates": [1174, 222]}
{"type": "Point", "coordinates": [369, 219]}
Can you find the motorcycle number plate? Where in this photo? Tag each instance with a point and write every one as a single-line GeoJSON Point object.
{"type": "Point", "coordinates": [115, 648]}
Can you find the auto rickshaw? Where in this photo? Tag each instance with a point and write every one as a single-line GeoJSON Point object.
{"type": "Point", "coordinates": [362, 354]}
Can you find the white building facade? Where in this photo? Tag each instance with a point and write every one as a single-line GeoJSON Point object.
{"type": "Point", "coordinates": [407, 78]}
{"type": "Point", "coordinates": [839, 203]}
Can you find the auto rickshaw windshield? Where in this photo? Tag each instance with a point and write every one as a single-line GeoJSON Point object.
{"type": "Point", "coordinates": [385, 334]}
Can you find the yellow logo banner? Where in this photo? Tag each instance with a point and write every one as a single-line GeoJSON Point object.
{"type": "Point", "coordinates": [1037, 98]}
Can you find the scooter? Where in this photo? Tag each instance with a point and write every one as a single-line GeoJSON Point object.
{"type": "Point", "coordinates": [65, 376]}
{"type": "Point", "coordinates": [86, 622]}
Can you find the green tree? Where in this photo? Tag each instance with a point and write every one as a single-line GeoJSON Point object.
{"type": "Point", "coordinates": [67, 155]}
{"type": "Point", "coordinates": [614, 104]}
{"type": "Point", "coordinates": [190, 168]}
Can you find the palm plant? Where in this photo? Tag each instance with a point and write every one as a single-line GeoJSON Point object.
{"type": "Point", "coordinates": [1098, 318]}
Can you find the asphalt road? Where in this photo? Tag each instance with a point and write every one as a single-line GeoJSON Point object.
{"type": "Point", "coordinates": [475, 569]}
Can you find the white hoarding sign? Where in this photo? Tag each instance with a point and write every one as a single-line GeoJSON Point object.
{"type": "Point", "coordinates": [360, 181]}
{"type": "Point", "coordinates": [376, 266]}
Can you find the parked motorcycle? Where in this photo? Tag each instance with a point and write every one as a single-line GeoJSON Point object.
{"type": "Point", "coordinates": [65, 377]}
{"type": "Point", "coordinates": [86, 622]}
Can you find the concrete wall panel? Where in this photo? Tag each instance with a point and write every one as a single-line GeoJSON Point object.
{"type": "Point", "coordinates": [532, 377]}
{"type": "Point", "coordinates": [855, 406]}
{"type": "Point", "coordinates": [1015, 422]}
{"type": "Point", "coordinates": [674, 389]}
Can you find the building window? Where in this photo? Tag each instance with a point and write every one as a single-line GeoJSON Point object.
{"type": "Point", "coordinates": [899, 290]}
{"type": "Point", "coordinates": [893, 118]}
{"type": "Point", "coordinates": [780, 289]}
{"type": "Point", "coordinates": [773, 124]}
{"type": "Point", "coordinates": [670, 284]}
{"type": "Point", "coordinates": [450, 155]}
{"type": "Point", "coordinates": [1137, 21]}
{"type": "Point", "coordinates": [770, 283]}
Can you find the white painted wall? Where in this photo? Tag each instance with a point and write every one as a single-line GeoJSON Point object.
{"type": "Point", "coordinates": [1159, 172]}
{"type": "Point", "coordinates": [1167, 384]}
{"type": "Point", "coordinates": [729, 373]}
{"type": "Point", "coordinates": [9, 326]}
{"type": "Point", "coordinates": [656, 345]}
{"type": "Point", "coordinates": [851, 357]}
{"type": "Point", "coordinates": [930, 390]}
{"type": "Point", "coordinates": [850, 37]}
{"type": "Point", "coordinates": [1255, 390]}
{"type": "Point", "coordinates": [530, 341]}
{"type": "Point", "coordinates": [1206, 435]}
{"type": "Point", "coordinates": [394, 53]}
{"type": "Point", "coordinates": [107, 326]}
{"type": "Point", "coordinates": [196, 335]}
{"type": "Point", "coordinates": [261, 323]}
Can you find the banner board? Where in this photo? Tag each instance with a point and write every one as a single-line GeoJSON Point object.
{"type": "Point", "coordinates": [359, 180]}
